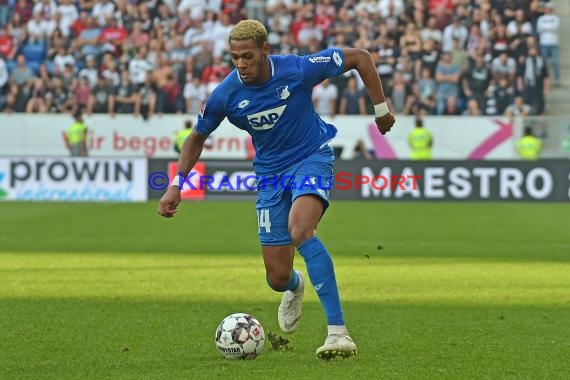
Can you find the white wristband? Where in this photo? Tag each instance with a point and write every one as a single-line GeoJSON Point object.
{"type": "Point", "coordinates": [381, 109]}
{"type": "Point", "coordinates": [176, 181]}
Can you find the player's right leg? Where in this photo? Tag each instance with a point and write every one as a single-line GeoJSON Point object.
{"type": "Point", "coordinates": [282, 277]}
{"type": "Point", "coordinates": [272, 212]}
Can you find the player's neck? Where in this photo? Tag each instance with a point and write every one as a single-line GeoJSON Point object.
{"type": "Point", "coordinates": [265, 73]}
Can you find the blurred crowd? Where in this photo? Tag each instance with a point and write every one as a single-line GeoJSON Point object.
{"type": "Point", "coordinates": [440, 57]}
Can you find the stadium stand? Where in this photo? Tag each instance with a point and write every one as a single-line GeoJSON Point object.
{"type": "Point", "coordinates": [441, 57]}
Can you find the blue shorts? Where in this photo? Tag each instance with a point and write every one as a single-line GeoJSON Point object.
{"type": "Point", "coordinates": [276, 194]}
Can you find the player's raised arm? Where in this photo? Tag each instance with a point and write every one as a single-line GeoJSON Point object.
{"type": "Point", "coordinates": [361, 61]}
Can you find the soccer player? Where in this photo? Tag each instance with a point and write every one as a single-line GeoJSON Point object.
{"type": "Point", "coordinates": [269, 96]}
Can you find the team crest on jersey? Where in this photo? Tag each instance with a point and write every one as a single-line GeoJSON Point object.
{"type": "Point", "coordinates": [283, 92]}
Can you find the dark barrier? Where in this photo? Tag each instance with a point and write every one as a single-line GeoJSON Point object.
{"type": "Point", "coordinates": [545, 180]}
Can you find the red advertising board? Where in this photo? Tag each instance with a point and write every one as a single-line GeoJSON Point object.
{"type": "Point", "coordinates": [197, 191]}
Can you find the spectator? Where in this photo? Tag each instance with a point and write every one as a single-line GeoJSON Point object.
{"type": "Point", "coordinates": [431, 32]}
{"type": "Point", "coordinates": [533, 81]}
{"type": "Point", "coordinates": [37, 101]}
{"type": "Point", "coordinates": [400, 95]}
{"type": "Point", "coordinates": [58, 99]}
{"type": "Point", "coordinates": [103, 97]}
{"type": "Point", "coordinates": [476, 42]}
{"type": "Point", "coordinates": [39, 28]}
{"type": "Point", "coordinates": [82, 93]}
{"type": "Point", "coordinates": [7, 47]}
{"type": "Point", "coordinates": [68, 15]}
{"type": "Point", "coordinates": [352, 100]}
{"type": "Point", "coordinates": [547, 28]}
{"type": "Point", "coordinates": [325, 96]}
{"type": "Point", "coordinates": [17, 30]}
{"type": "Point", "coordinates": [426, 89]}
{"type": "Point", "coordinates": [111, 73]}
{"type": "Point", "coordinates": [309, 32]}
{"type": "Point", "coordinates": [503, 95]}
{"type": "Point", "coordinates": [102, 11]}
{"type": "Point", "coordinates": [473, 108]}
{"type": "Point", "coordinates": [146, 106]}
{"type": "Point", "coordinates": [476, 81]}
{"type": "Point", "coordinates": [88, 40]}
{"type": "Point", "coordinates": [519, 27]}
{"type": "Point", "coordinates": [345, 24]}
{"type": "Point", "coordinates": [518, 108]}
{"type": "Point", "coordinates": [459, 56]}
{"type": "Point", "coordinates": [22, 74]}
{"type": "Point", "coordinates": [504, 67]}
{"type": "Point", "coordinates": [447, 78]}
{"type": "Point", "coordinates": [61, 59]}
{"type": "Point", "coordinates": [212, 83]}
{"type": "Point", "coordinates": [90, 71]}
{"type": "Point", "coordinates": [411, 42]}
{"type": "Point", "coordinates": [169, 93]}
{"type": "Point", "coordinates": [428, 58]}
{"type": "Point", "coordinates": [457, 30]}
{"type": "Point", "coordinates": [126, 98]}
{"type": "Point", "coordinates": [139, 67]}
{"type": "Point", "coordinates": [391, 7]}
{"type": "Point", "coordinates": [137, 37]}
{"type": "Point", "coordinates": [194, 95]}
{"type": "Point", "coordinates": [112, 37]}
{"type": "Point", "coordinates": [24, 9]}
{"type": "Point", "coordinates": [45, 8]}
{"type": "Point", "coordinates": [188, 40]}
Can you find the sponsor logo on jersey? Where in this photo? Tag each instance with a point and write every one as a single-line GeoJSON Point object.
{"type": "Point", "coordinates": [265, 119]}
{"type": "Point", "coordinates": [283, 92]}
{"type": "Point", "coordinates": [319, 59]}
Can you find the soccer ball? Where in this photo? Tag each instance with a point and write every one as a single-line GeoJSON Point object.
{"type": "Point", "coordinates": [240, 336]}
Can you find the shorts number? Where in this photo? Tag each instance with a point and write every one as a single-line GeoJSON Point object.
{"type": "Point", "coordinates": [263, 220]}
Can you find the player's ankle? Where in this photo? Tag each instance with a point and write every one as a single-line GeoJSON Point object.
{"type": "Point", "coordinates": [337, 330]}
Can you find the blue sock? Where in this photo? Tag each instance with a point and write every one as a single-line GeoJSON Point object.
{"type": "Point", "coordinates": [292, 284]}
{"type": "Point", "coordinates": [321, 272]}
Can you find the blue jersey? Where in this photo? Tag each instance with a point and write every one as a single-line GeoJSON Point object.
{"type": "Point", "coordinates": [278, 114]}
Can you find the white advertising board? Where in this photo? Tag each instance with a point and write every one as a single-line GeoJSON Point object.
{"type": "Point", "coordinates": [458, 138]}
{"type": "Point", "coordinates": [73, 179]}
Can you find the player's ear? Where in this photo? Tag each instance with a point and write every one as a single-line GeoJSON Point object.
{"type": "Point", "coordinates": [266, 48]}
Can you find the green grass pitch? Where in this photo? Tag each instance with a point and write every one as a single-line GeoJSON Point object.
{"type": "Point", "coordinates": [113, 291]}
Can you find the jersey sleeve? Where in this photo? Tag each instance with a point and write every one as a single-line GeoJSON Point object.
{"type": "Point", "coordinates": [324, 64]}
{"type": "Point", "coordinates": [212, 113]}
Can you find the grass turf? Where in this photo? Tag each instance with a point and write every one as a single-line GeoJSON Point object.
{"type": "Point", "coordinates": [457, 290]}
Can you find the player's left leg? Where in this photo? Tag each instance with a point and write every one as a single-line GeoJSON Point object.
{"type": "Point", "coordinates": [310, 201]}
{"type": "Point", "coordinates": [303, 219]}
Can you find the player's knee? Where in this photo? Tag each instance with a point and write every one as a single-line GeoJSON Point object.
{"type": "Point", "coordinates": [278, 279]}
{"type": "Point", "coordinates": [299, 233]}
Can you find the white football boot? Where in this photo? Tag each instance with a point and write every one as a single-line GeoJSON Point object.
{"type": "Point", "coordinates": [289, 313]}
{"type": "Point", "coordinates": [337, 345]}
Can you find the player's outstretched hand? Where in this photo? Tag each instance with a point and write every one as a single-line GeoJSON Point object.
{"type": "Point", "coordinates": [169, 202]}
{"type": "Point", "coordinates": [385, 123]}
